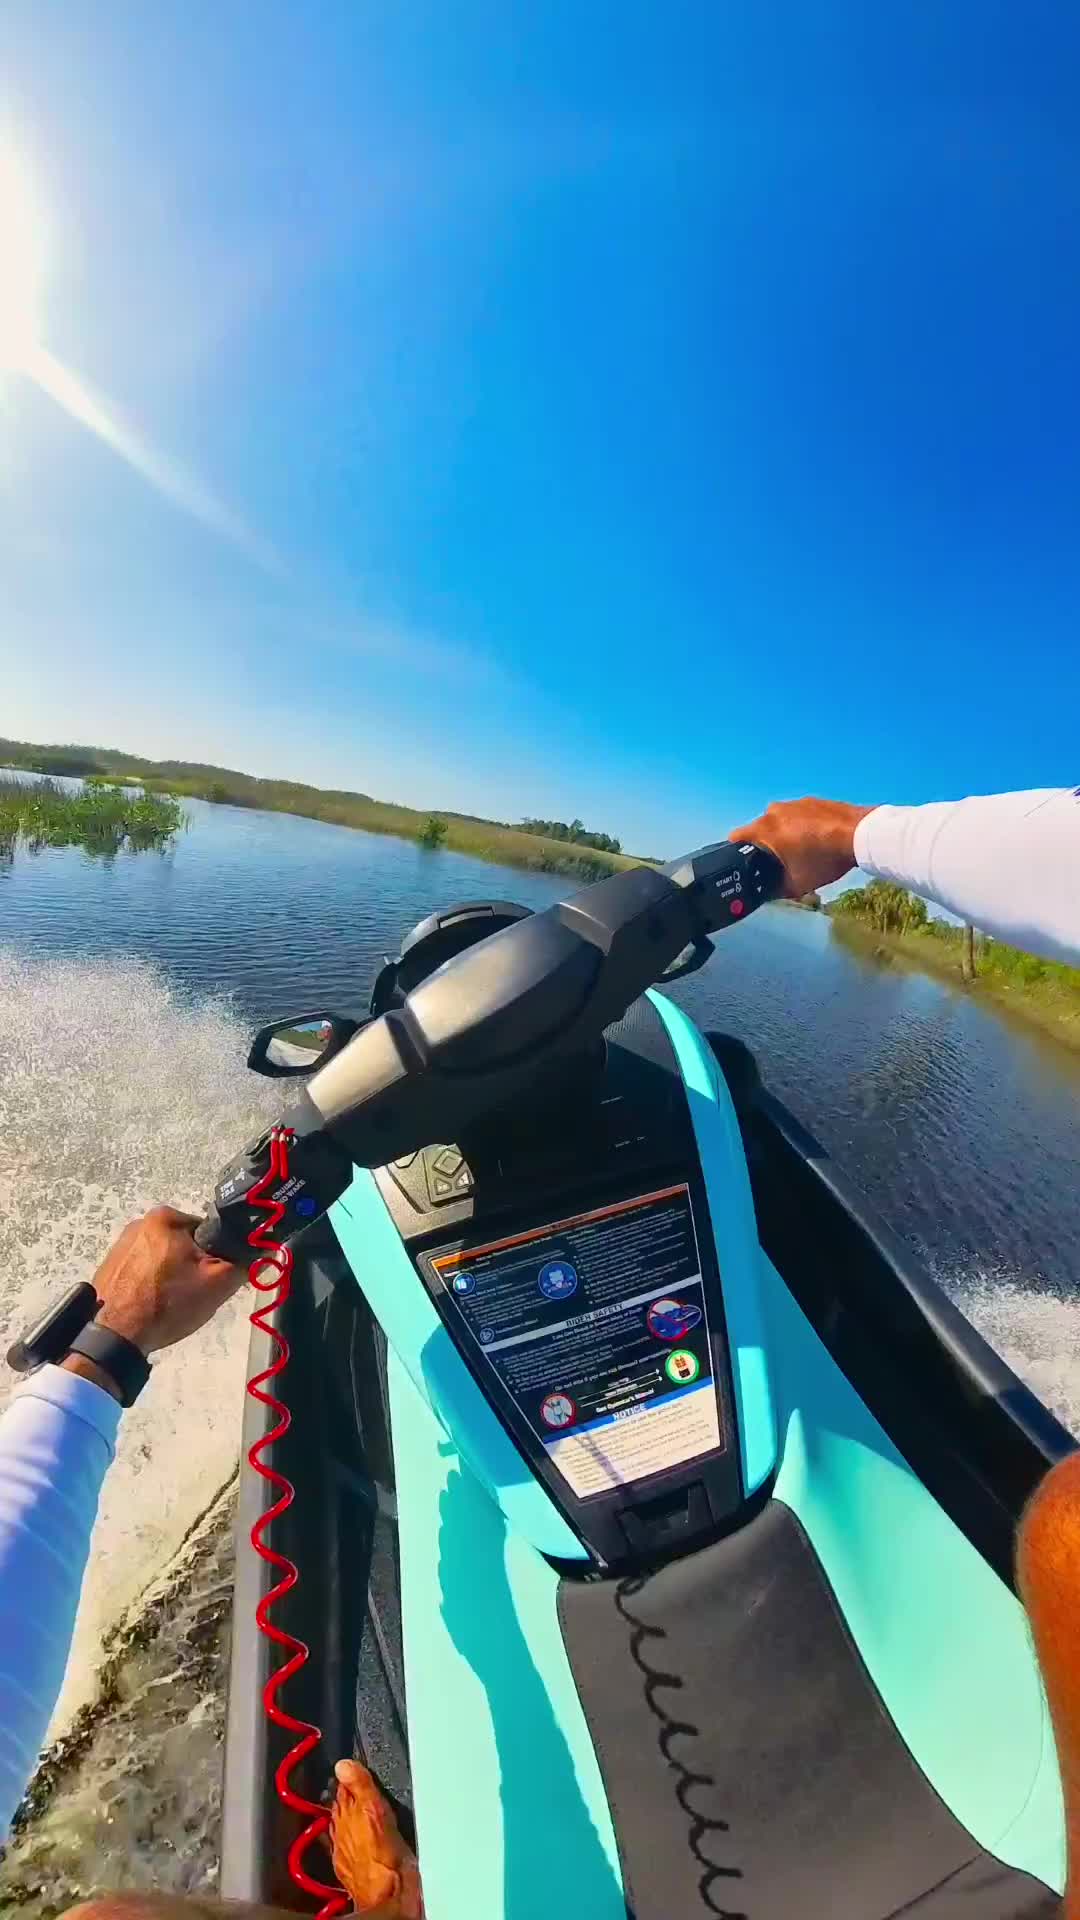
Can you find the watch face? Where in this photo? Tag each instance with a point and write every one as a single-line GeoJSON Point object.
{"type": "Point", "coordinates": [50, 1339]}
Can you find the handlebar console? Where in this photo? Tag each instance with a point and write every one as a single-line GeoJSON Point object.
{"type": "Point", "coordinates": [474, 1036]}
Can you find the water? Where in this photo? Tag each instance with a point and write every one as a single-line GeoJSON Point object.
{"type": "Point", "coordinates": [128, 987]}
{"type": "Point", "coordinates": [133, 1799]}
{"type": "Point", "coordinates": [266, 908]}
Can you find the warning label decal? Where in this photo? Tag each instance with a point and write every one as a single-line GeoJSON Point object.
{"type": "Point", "coordinates": [597, 1327]}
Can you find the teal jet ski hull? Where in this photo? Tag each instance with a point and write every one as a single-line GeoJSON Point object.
{"type": "Point", "coordinates": [808, 1687]}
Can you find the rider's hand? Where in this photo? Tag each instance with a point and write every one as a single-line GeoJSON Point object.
{"type": "Point", "coordinates": [815, 840]}
{"type": "Point", "coordinates": [156, 1286]}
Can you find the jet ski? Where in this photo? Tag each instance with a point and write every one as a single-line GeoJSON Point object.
{"type": "Point", "coordinates": [654, 1511]}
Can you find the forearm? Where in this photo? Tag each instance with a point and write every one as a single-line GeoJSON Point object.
{"type": "Point", "coordinates": [1008, 863]}
{"type": "Point", "coordinates": [56, 1441]}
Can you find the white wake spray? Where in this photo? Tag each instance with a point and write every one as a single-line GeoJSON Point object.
{"type": "Point", "coordinates": [118, 1093]}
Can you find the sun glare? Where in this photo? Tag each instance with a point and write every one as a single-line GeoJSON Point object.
{"type": "Point", "coordinates": [25, 357]}
{"type": "Point", "coordinates": [20, 261]}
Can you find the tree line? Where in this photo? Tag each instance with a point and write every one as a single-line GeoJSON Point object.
{"type": "Point", "coordinates": [573, 830]}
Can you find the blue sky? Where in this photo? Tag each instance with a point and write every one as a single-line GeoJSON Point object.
{"type": "Point", "coordinates": [629, 410]}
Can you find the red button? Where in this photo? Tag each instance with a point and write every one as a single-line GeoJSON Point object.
{"type": "Point", "coordinates": [737, 908]}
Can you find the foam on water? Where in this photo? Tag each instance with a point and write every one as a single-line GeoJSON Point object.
{"type": "Point", "coordinates": [137, 1804]}
{"type": "Point", "coordinates": [1037, 1334]}
{"type": "Point", "coordinates": [118, 1093]}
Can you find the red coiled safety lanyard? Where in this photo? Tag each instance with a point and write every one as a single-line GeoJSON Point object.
{"type": "Point", "coordinates": [276, 1258]}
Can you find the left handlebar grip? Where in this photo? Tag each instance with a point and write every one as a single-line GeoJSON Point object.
{"type": "Point", "coordinates": [212, 1235]}
{"type": "Point", "coordinates": [319, 1170]}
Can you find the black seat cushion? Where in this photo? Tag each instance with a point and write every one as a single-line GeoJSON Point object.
{"type": "Point", "coordinates": [750, 1765]}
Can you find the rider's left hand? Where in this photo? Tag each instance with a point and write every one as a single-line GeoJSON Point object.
{"type": "Point", "coordinates": [156, 1286]}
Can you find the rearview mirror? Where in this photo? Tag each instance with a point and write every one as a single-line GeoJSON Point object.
{"type": "Point", "coordinates": [299, 1045]}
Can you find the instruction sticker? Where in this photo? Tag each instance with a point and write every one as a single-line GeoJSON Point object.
{"type": "Point", "coordinates": [597, 1327]}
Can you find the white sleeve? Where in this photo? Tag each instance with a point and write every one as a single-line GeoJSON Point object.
{"type": "Point", "coordinates": [57, 1438]}
{"type": "Point", "coordinates": [1007, 862]}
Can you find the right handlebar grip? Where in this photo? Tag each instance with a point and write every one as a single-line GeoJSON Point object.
{"type": "Point", "coordinates": [727, 881]}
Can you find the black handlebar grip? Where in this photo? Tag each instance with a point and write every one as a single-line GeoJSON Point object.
{"type": "Point", "coordinates": [211, 1236]}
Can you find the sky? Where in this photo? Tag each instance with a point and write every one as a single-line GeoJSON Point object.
{"type": "Point", "coordinates": [633, 411]}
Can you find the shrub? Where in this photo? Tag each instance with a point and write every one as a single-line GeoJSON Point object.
{"type": "Point", "coordinates": [102, 819]}
{"type": "Point", "coordinates": [433, 832]}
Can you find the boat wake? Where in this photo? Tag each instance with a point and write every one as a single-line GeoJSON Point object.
{"type": "Point", "coordinates": [118, 1093]}
{"type": "Point", "coordinates": [1036, 1333]}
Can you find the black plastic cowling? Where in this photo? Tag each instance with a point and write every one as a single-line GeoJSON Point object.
{"type": "Point", "coordinates": [501, 1021]}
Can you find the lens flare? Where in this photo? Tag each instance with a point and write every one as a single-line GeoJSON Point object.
{"type": "Point", "coordinates": [24, 353]}
{"type": "Point", "coordinates": [21, 261]}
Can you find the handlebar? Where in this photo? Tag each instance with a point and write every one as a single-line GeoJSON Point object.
{"type": "Point", "coordinates": [475, 1035]}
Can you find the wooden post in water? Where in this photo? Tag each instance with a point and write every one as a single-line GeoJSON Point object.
{"type": "Point", "coordinates": [968, 957]}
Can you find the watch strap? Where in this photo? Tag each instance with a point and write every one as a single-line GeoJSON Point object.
{"type": "Point", "coordinates": [124, 1362]}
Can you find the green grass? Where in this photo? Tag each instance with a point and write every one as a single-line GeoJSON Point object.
{"type": "Point", "coordinates": [300, 1037]}
{"type": "Point", "coordinates": [1045, 993]}
{"type": "Point", "coordinates": [465, 833]}
{"type": "Point", "coordinates": [38, 813]}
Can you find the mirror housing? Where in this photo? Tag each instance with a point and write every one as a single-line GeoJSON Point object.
{"type": "Point", "coordinates": [690, 960]}
{"type": "Point", "coordinates": [288, 1048]}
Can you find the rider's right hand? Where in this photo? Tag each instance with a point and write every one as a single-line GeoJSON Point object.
{"type": "Point", "coordinates": [814, 839]}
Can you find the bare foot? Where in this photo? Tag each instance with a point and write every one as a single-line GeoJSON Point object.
{"type": "Point", "coordinates": [376, 1868]}
{"type": "Point", "coordinates": [1048, 1562]}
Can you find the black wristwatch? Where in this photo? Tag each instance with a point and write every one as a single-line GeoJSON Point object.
{"type": "Point", "coordinates": [70, 1327]}
{"type": "Point", "coordinates": [126, 1364]}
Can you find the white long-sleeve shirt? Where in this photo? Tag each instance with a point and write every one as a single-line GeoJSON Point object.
{"type": "Point", "coordinates": [57, 1438]}
{"type": "Point", "coordinates": [1009, 863]}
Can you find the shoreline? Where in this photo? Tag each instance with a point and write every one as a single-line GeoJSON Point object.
{"type": "Point", "coordinates": [1051, 1009]}
{"type": "Point", "coordinates": [491, 840]}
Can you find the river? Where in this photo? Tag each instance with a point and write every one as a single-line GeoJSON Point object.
{"type": "Point", "coordinates": [128, 987]}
